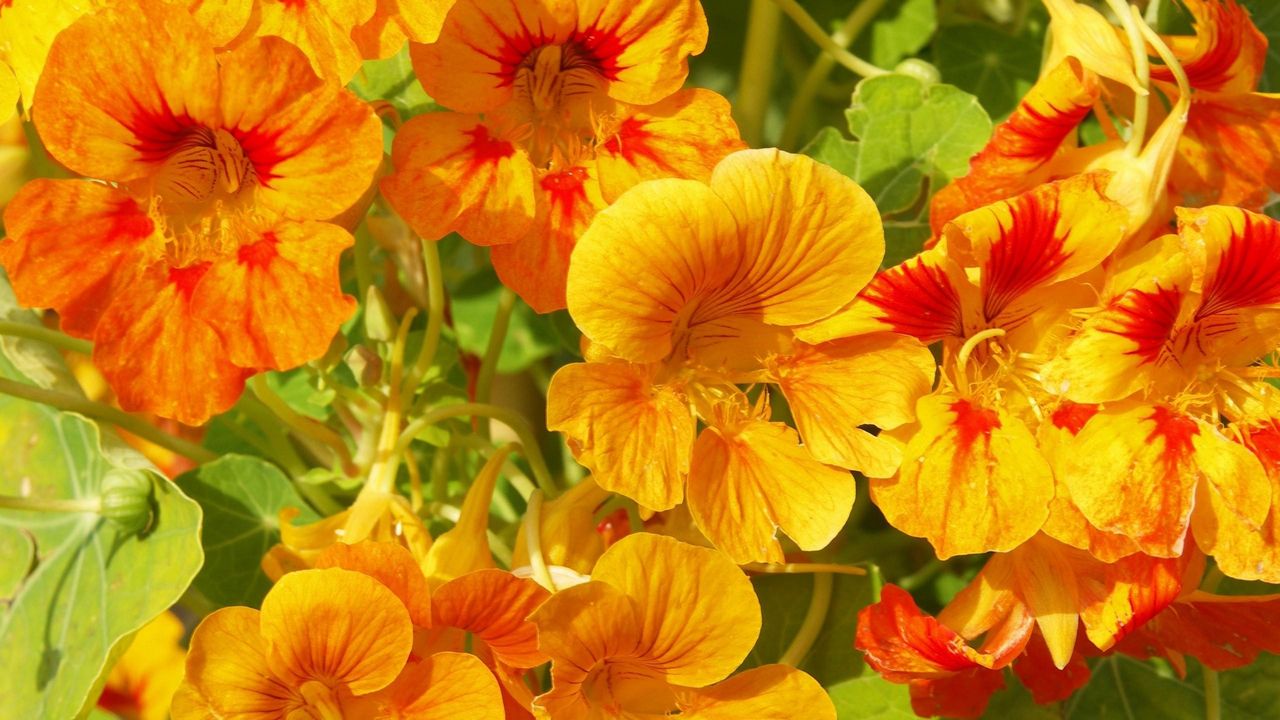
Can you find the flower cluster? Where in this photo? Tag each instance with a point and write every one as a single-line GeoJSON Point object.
{"type": "Point", "coordinates": [1070, 382]}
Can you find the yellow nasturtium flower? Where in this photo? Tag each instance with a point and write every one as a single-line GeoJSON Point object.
{"type": "Point", "coordinates": [656, 631]}
{"type": "Point", "coordinates": [143, 681]}
{"type": "Point", "coordinates": [688, 290]}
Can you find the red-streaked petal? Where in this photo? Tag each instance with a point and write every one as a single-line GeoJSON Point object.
{"type": "Point", "coordinates": [1223, 632]}
{"type": "Point", "coordinates": [1227, 152]}
{"type": "Point", "coordinates": [1227, 53]}
{"type": "Point", "coordinates": [454, 174]}
{"type": "Point", "coordinates": [1023, 145]}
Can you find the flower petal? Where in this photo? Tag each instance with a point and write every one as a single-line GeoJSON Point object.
{"type": "Point", "coordinates": [70, 246]}
{"type": "Point", "coordinates": [342, 627]}
{"type": "Point", "coordinates": [1081, 31]}
{"type": "Point", "coordinates": [768, 692]}
{"type": "Point", "coordinates": [454, 174]}
{"type": "Point", "coordinates": [635, 436]}
{"type": "Point", "coordinates": [1240, 550]}
{"type": "Point", "coordinates": [442, 686]}
{"type": "Point", "coordinates": [494, 606]}
{"type": "Point", "coordinates": [748, 482]}
{"type": "Point", "coordinates": [697, 614]}
{"type": "Point", "coordinates": [569, 537]}
{"type": "Point", "coordinates": [1225, 153]}
{"type": "Point", "coordinates": [1227, 53]}
{"type": "Point", "coordinates": [229, 673]}
{"type": "Point", "coordinates": [972, 480]}
{"type": "Point", "coordinates": [683, 136]}
{"type": "Point", "coordinates": [389, 564]}
{"type": "Point", "coordinates": [1223, 632]}
{"type": "Point", "coordinates": [892, 372]}
{"type": "Point", "coordinates": [322, 31]}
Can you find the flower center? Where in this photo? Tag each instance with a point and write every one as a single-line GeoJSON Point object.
{"type": "Point", "coordinates": [555, 78]}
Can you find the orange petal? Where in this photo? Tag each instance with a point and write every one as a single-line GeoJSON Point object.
{"type": "Point", "coordinates": [748, 481]}
{"type": "Point", "coordinates": [682, 136]}
{"type": "Point", "coordinates": [902, 643]}
{"type": "Point", "coordinates": [1081, 31]}
{"type": "Point", "coordinates": [635, 436]}
{"type": "Point", "coordinates": [70, 247]}
{"type": "Point", "coordinates": [278, 302]}
{"type": "Point", "coordinates": [113, 110]}
{"type": "Point", "coordinates": [537, 265]}
{"type": "Point", "coordinates": [494, 606]}
{"type": "Point", "coordinates": [229, 673]}
{"type": "Point", "coordinates": [1227, 53]}
{"type": "Point", "coordinates": [393, 21]}
{"type": "Point", "coordinates": [1052, 233]}
{"type": "Point", "coordinates": [635, 54]}
{"type": "Point", "coordinates": [159, 355]}
{"type": "Point", "coordinates": [964, 695]}
{"type": "Point", "coordinates": [1020, 149]}
{"type": "Point", "coordinates": [1242, 551]}
{"type": "Point", "coordinates": [768, 692]}
{"type": "Point", "coordinates": [389, 564]}
{"type": "Point", "coordinates": [442, 686]}
{"type": "Point", "coordinates": [580, 628]}
{"type": "Point", "coordinates": [676, 262]}
{"type": "Point", "coordinates": [894, 371]}
{"type": "Point", "coordinates": [972, 480]}
{"type": "Point", "coordinates": [314, 145]}
{"type": "Point", "coordinates": [698, 614]}
{"type": "Point", "coordinates": [1118, 598]}
{"type": "Point", "coordinates": [454, 174]}
{"type": "Point", "coordinates": [224, 19]}
{"type": "Point", "coordinates": [337, 626]}
{"type": "Point", "coordinates": [1225, 153]}
{"type": "Point", "coordinates": [1233, 497]}
{"type": "Point", "coordinates": [322, 31]}
{"type": "Point", "coordinates": [1223, 632]}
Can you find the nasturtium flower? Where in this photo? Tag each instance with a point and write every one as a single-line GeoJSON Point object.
{"type": "Point", "coordinates": [143, 681]}
{"type": "Point", "coordinates": [1170, 355]}
{"type": "Point", "coordinates": [394, 21]}
{"type": "Point", "coordinates": [997, 292]}
{"type": "Point", "coordinates": [659, 629]}
{"type": "Point", "coordinates": [195, 257]}
{"type": "Point", "coordinates": [569, 534]}
{"type": "Point", "coordinates": [559, 108]}
{"type": "Point", "coordinates": [688, 290]}
{"type": "Point", "coordinates": [27, 29]}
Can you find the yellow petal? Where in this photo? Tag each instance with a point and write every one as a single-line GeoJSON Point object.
{"type": "Point", "coordinates": [972, 480]}
{"type": "Point", "coordinates": [835, 387]}
{"type": "Point", "coordinates": [750, 481]}
{"type": "Point", "coordinates": [322, 31]}
{"type": "Point", "coordinates": [389, 564]}
{"type": "Point", "coordinates": [336, 626]}
{"type": "Point", "coordinates": [697, 614]}
{"type": "Point", "coordinates": [768, 692]}
{"type": "Point", "coordinates": [567, 529]}
{"type": "Point", "coordinates": [228, 671]}
{"type": "Point", "coordinates": [1081, 31]}
{"type": "Point", "coordinates": [635, 435]}
{"type": "Point", "coordinates": [8, 94]}
{"type": "Point", "coordinates": [465, 547]}
{"type": "Point", "coordinates": [443, 686]}
{"type": "Point", "coordinates": [1240, 550]}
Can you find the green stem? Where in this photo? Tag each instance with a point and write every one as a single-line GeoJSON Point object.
{"type": "Point", "coordinates": [814, 619]}
{"type": "Point", "coordinates": [363, 256]}
{"type": "Point", "coordinates": [810, 27]}
{"type": "Point", "coordinates": [493, 352]}
{"type": "Point", "coordinates": [755, 80]}
{"type": "Point", "coordinates": [50, 505]}
{"type": "Point", "coordinates": [435, 320]}
{"type": "Point", "coordinates": [1212, 696]}
{"type": "Point", "coordinates": [304, 427]}
{"type": "Point", "coordinates": [512, 419]}
{"type": "Point", "coordinates": [45, 335]}
{"type": "Point", "coordinates": [921, 576]}
{"type": "Point", "coordinates": [106, 413]}
{"type": "Point", "coordinates": [821, 68]}
{"type": "Point", "coordinates": [533, 540]}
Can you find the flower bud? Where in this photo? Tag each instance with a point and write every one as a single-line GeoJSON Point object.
{"type": "Point", "coordinates": [364, 364]}
{"type": "Point", "coordinates": [127, 499]}
{"type": "Point", "coordinates": [379, 323]}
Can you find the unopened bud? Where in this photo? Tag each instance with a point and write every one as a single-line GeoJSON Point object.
{"type": "Point", "coordinates": [379, 323]}
{"type": "Point", "coordinates": [127, 499]}
{"type": "Point", "coordinates": [365, 365]}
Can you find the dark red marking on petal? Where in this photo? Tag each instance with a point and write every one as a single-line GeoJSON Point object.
{"type": "Point", "coordinates": [129, 221]}
{"type": "Point", "coordinates": [1177, 431]}
{"type": "Point", "coordinates": [566, 189]}
{"type": "Point", "coordinates": [1223, 28]}
{"type": "Point", "coordinates": [631, 142]}
{"type": "Point", "coordinates": [1248, 273]}
{"type": "Point", "coordinates": [261, 253]}
{"type": "Point", "coordinates": [112, 700]}
{"type": "Point", "coordinates": [972, 422]}
{"type": "Point", "coordinates": [918, 300]}
{"type": "Point", "coordinates": [1147, 318]}
{"type": "Point", "coordinates": [263, 149]}
{"type": "Point", "coordinates": [1264, 442]}
{"type": "Point", "coordinates": [485, 148]}
{"type": "Point", "coordinates": [187, 278]}
{"type": "Point", "coordinates": [1028, 252]}
{"type": "Point", "coordinates": [1072, 417]}
{"type": "Point", "coordinates": [157, 133]}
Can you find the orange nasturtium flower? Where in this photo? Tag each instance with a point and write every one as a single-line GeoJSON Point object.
{"type": "Point", "coordinates": [559, 108]}
{"type": "Point", "coordinates": [361, 635]}
{"type": "Point", "coordinates": [658, 629]}
{"type": "Point", "coordinates": [144, 679]}
{"type": "Point", "coordinates": [688, 290]}
{"type": "Point", "coordinates": [199, 261]}
{"type": "Point", "coordinates": [1171, 356]}
{"type": "Point", "coordinates": [994, 292]}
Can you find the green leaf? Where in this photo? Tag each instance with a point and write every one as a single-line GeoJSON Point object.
{"type": "Point", "coordinates": [92, 585]}
{"type": "Point", "coordinates": [871, 697]}
{"type": "Point", "coordinates": [997, 67]}
{"type": "Point", "coordinates": [31, 361]}
{"type": "Point", "coordinates": [900, 30]}
{"type": "Point", "coordinates": [393, 80]}
{"type": "Point", "coordinates": [1122, 688]}
{"type": "Point", "coordinates": [1266, 15]}
{"type": "Point", "coordinates": [242, 498]}
{"type": "Point", "coordinates": [530, 336]}
{"type": "Point", "coordinates": [1252, 691]}
{"type": "Point", "coordinates": [297, 388]}
{"type": "Point", "coordinates": [784, 602]}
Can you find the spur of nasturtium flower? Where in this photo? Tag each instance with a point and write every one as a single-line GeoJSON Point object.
{"type": "Point", "coordinates": [558, 107]}
{"type": "Point", "coordinates": [195, 257]}
{"type": "Point", "coordinates": [689, 292]}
